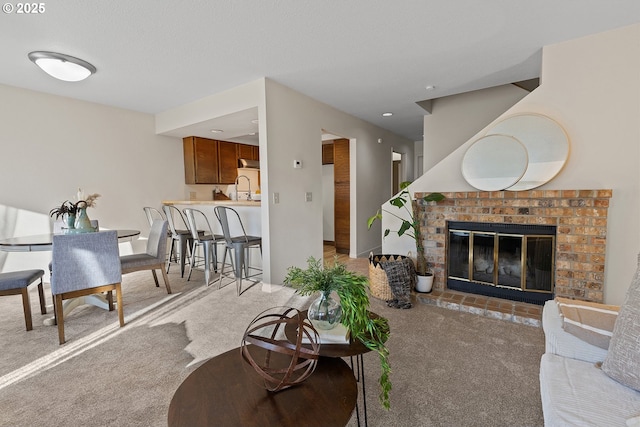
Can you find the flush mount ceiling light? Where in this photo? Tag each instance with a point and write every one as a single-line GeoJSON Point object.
{"type": "Point", "coordinates": [387, 114]}
{"type": "Point", "coordinates": [216, 131]}
{"type": "Point", "coordinates": [61, 66]}
{"type": "Point", "coordinates": [430, 87]}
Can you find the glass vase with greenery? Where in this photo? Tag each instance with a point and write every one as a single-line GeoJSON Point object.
{"type": "Point", "coordinates": [352, 290]}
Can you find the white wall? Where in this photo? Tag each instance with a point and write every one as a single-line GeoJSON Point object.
{"type": "Point", "coordinates": [457, 118]}
{"type": "Point", "coordinates": [294, 128]}
{"type": "Point", "coordinates": [52, 145]}
{"type": "Point", "coordinates": [591, 86]}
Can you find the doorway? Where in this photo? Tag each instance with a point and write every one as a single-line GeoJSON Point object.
{"type": "Point", "coordinates": [336, 193]}
{"type": "Point", "coordinates": [396, 179]}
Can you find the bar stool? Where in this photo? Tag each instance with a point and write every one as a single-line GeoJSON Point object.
{"type": "Point", "coordinates": [238, 244]}
{"type": "Point", "coordinates": [208, 240]}
{"type": "Point", "coordinates": [180, 235]}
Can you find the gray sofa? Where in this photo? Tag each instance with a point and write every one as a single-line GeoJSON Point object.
{"type": "Point", "coordinates": [575, 390]}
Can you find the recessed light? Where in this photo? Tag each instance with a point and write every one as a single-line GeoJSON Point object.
{"type": "Point", "coordinates": [387, 114]}
{"type": "Point", "coordinates": [430, 87]}
{"type": "Point", "coordinates": [252, 133]}
{"type": "Point", "coordinates": [216, 131]}
{"type": "Point", "coordinates": [254, 121]}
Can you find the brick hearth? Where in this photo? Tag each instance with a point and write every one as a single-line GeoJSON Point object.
{"type": "Point", "coordinates": [579, 215]}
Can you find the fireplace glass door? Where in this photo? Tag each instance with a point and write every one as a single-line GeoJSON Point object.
{"type": "Point", "coordinates": [508, 263]}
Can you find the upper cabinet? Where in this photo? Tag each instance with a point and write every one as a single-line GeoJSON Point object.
{"type": "Point", "coordinates": [327, 154]}
{"type": "Point", "coordinates": [227, 162]}
{"type": "Point", "coordinates": [200, 160]}
{"type": "Point", "coordinates": [207, 161]}
{"type": "Point", "coordinates": [249, 152]}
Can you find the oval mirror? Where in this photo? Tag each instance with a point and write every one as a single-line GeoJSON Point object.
{"type": "Point", "coordinates": [494, 162]}
{"type": "Point", "coordinates": [546, 142]}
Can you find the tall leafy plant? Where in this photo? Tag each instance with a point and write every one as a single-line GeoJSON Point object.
{"type": "Point", "coordinates": [409, 227]}
{"type": "Point", "coordinates": [354, 300]}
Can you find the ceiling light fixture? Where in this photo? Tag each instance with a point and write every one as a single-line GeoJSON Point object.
{"type": "Point", "coordinates": [216, 131]}
{"type": "Point", "coordinates": [254, 121]}
{"type": "Point", "coordinates": [387, 114]}
{"type": "Point", "coordinates": [61, 66]}
{"type": "Point", "coordinates": [430, 87]}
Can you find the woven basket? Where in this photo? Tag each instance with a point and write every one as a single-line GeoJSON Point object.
{"type": "Point", "coordinates": [378, 283]}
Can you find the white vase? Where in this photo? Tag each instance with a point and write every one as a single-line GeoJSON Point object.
{"type": "Point", "coordinates": [424, 283]}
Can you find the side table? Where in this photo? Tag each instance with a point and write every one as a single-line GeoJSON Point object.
{"type": "Point", "coordinates": [223, 391]}
{"type": "Point", "coordinates": [353, 350]}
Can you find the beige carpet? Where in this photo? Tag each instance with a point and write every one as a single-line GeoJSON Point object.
{"type": "Point", "coordinates": [449, 368]}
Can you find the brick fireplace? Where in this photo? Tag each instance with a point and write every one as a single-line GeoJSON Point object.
{"type": "Point", "coordinates": [580, 218]}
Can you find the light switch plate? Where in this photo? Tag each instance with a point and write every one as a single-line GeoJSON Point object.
{"type": "Point", "coordinates": [308, 196]}
{"type": "Point", "coordinates": [276, 198]}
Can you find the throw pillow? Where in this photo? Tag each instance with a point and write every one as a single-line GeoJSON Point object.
{"type": "Point", "coordinates": [623, 359]}
{"type": "Point", "coordinates": [589, 321]}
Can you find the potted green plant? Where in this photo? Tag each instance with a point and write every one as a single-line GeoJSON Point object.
{"type": "Point", "coordinates": [411, 228]}
{"type": "Point", "coordinates": [354, 303]}
{"type": "Point", "coordinates": [67, 211]}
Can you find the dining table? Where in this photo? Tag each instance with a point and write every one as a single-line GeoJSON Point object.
{"type": "Point", "coordinates": [44, 242]}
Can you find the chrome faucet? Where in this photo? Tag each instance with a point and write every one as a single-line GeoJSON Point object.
{"type": "Point", "coordinates": [249, 181]}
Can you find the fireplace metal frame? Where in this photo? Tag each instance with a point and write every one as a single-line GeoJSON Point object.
{"type": "Point", "coordinates": [494, 289]}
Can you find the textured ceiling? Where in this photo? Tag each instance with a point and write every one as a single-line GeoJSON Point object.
{"type": "Point", "coordinates": [363, 57]}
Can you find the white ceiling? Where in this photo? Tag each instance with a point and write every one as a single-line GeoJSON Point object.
{"type": "Point", "coordinates": [363, 57]}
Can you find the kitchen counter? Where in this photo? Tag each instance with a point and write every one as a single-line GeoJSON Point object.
{"type": "Point", "coordinates": [251, 203]}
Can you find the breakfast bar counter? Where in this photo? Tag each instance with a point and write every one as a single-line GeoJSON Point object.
{"type": "Point", "coordinates": [231, 203]}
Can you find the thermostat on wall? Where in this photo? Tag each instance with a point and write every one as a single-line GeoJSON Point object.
{"type": "Point", "coordinates": [297, 164]}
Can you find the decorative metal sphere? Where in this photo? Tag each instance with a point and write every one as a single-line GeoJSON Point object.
{"type": "Point", "coordinates": [277, 362]}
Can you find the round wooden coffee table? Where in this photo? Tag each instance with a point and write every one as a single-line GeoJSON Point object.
{"type": "Point", "coordinates": [221, 392]}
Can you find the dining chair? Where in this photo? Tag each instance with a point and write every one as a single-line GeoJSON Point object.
{"type": "Point", "coordinates": [239, 244]}
{"type": "Point", "coordinates": [17, 283]}
{"type": "Point", "coordinates": [154, 257]}
{"type": "Point", "coordinates": [180, 234]}
{"type": "Point", "coordinates": [208, 240]}
{"type": "Point", "coordinates": [85, 264]}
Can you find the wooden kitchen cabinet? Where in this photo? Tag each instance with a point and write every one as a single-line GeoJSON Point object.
{"type": "Point", "coordinates": [228, 162]}
{"type": "Point", "coordinates": [327, 154]}
{"type": "Point", "coordinates": [207, 161]}
{"type": "Point", "coordinates": [248, 151]}
{"type": "Point", "coordinates": [200, 160]}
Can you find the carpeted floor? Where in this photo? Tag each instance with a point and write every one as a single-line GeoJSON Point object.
{"type": "Point", "coordinates": [448, 368]}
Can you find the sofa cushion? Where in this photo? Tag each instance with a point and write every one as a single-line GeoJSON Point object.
{"type": "Point", "coordinates": [623, 360]}
{"type": "Point", "coordinates": [589, 321]}
{"type": "Point", "coordinates": [576, 393]}
{"type": "Point", "coordinates": [558, 341]}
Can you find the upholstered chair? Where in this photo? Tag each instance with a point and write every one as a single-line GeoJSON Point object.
{"type": "Point", "coordinates": [154, 257]}
{"type": "Point", "coordinates": [85, 264]}
{"type": "Point", "coordinates": [17, 283]}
